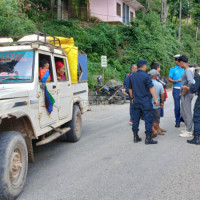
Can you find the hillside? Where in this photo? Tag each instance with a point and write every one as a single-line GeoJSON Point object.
{"type": "Point", "coordinates": [146, 38]}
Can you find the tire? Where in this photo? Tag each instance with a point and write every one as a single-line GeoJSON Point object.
{"type": "Point", "coordinates": [119, 98]}
{"type": "Point", "coordinates": [75, 124]}
{"type": "Point", "coordinates": [14, 164]}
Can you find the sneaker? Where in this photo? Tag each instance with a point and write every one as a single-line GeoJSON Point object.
{"type": "Point", "coordinates": [130, 122]}
{"type": "Point", "coordinates": [183, 131]}
{"type": "Point", "coordinates": [186, 134]}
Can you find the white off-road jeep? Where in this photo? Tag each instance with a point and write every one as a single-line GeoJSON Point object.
{"type": "Point", "coordinates": [23, 110]}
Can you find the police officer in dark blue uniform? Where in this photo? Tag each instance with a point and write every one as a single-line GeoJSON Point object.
{"type": "Point", "coordinates": [196, 115]}
{"type": "Point", "coordinates": [126, 86]}
{"type": "Point", "coordinates": [141, 90]}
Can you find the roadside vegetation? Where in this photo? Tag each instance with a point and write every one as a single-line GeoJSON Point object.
{"type": "Point", "coordinates": [148, 37]}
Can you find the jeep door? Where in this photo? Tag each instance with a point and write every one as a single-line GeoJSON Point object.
{"type": "Point", "coordinates": [64, 87]}
{"type": "Point", "coordinates": [45, 117]}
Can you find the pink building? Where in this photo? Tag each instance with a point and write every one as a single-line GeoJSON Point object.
{"type": "Point", "coordinates": [114, 10]}
{"type": "Point", "coordinates": [105, 10]}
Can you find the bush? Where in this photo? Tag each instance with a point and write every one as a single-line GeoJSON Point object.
{"type": "Point", "coordinates": [13, 21]}
{"type": "Point", "coordinates": [146, 39]}
{"type": "Point", "coordinates": [125, 45]}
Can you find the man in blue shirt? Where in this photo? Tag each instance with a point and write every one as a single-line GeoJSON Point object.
{"type": "Point", "coordinates": [163, 81]}
{"type": "Point", "coordinates": [141, 90]}
{"type": "Point", "coordinates": [175, 75]}
{"type": "Point", "coordinates": [126, 87]}
{"type": "Point", "coordinates": [156, 109]}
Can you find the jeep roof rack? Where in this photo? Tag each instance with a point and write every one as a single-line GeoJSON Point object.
{"type": "Point", "coordinates": [41, 39]}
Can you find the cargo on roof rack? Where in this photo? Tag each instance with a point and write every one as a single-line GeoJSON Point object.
{"type": "Point", "coordinates": [35, 40]}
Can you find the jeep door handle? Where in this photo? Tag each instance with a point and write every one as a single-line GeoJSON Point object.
{"type": "Point", "coordinates": [54, 86]}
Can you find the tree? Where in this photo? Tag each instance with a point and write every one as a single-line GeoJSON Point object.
{"type": "Point", "coordinates": [146, 3]}
{"type": "Point", "coordinates": [12, 19]}
{"type": "Point", "coordinates": [164, 10]}
{"type": "Point", "coordinates": [59, 9]}
{"type": "Point", "coordinates": [52, 6]}
{"type": "Point", "coordinates": [196, 16]}
{"type": "Point", "coordinates": [175, 7]}
{"type": "Point", "coordinates": [180, 20]}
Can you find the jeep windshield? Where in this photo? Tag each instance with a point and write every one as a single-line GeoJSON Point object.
{"type": "Point", "coordinates": [16, 67]}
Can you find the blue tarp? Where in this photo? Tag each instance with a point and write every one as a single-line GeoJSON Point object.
{"type": "Point", "coordinates": [82, 67]}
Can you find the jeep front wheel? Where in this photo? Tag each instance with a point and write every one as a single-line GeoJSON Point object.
{"type": "Point", "coordinates": [13, 164]}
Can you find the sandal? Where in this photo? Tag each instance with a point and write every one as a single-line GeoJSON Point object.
{"type": "Point", "coordinates": [163, 130]}
{"type": "Point", "coordinates": [154, 135]}
{"type": "Point", "coordinates": [161, 133]}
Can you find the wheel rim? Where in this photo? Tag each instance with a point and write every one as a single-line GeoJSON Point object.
{"type": "Point", "coordinates": [117, 99]}
{"type": "Point", "coordinates": [78, 125]}
{"type": "Point", "coordinates": [16, 166]}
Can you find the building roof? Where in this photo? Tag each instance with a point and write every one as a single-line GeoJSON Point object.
{"type": "Point", "coordinates": [135, 4]}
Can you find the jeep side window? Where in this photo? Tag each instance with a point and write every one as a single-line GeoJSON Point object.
{"type": "Point", "coordinates": [80, 72]}
{"type": "Point", "coordinates": [45, 68]}
{"type": "Point", "coordinates": [61, 69]}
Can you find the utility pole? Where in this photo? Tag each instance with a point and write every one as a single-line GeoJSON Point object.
{"type": "Point", "coordinates": [103, 75]}
{"type": "Point", "coordinates": [107, 10]}
{"type": "Point", "coordinates": [180, 19]}
{"type": "Point", "coordinates": [162, 10]}
{"type": "Point", "coordinates": [59, 9]}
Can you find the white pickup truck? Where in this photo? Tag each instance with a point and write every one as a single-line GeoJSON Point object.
{"type": "Point", "coordinates": [23, 110]}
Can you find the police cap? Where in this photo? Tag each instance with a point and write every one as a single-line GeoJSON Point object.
{"type": "Point", "coordinates": [141, 63]}
{"type": "Point", "coordinates": [176, 57]}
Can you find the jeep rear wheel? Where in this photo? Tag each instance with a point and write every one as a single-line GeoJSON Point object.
{"type": "Point", "coordinates": [14, 164]}
{"type": "Point", "coordinates": [75, 124]}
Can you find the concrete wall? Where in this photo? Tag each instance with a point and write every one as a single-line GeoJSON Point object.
{"type": "Point", "coordinates": [106, 10]}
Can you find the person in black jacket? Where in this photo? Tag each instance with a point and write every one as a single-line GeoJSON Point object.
{"type": "Point", "coordinates": [126, 87]}
{"type": "Point", "coordinates": [141, 90]}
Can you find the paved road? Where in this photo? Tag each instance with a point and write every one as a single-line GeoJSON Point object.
{"type": "Point", "coordinates": [106, 165]}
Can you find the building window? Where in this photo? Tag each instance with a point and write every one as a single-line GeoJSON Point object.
{"type": "Point", "coordinates": [118, 9]}
{"type": "Point", "coordinates": [126, 14]}
{"type": "Point", "coordinates": [132, 16]}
